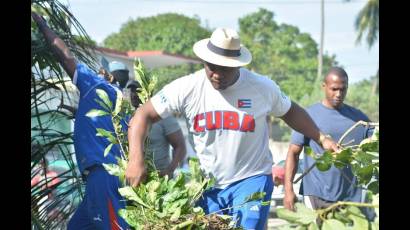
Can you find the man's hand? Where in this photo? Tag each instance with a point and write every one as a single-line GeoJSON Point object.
{"type": "Point", "coordinates": [135, 174]}
{"type": "Point", "coordinates": [289, 200]}
{"type": "Point", "coordinates": [329, 144]}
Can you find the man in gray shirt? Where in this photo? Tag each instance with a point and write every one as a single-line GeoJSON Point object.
{"type": "Point", "coordinates": [164, 133]}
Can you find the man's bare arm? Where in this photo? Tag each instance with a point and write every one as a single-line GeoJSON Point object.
{"type": "Point", "coordinates": [291, 166]}
{"type": "Point", "coordinates": [177, 141]}
{"type": "Point", "coordinates": [137, 132]}
{"type": "Point", "coordinates": [57, 45]}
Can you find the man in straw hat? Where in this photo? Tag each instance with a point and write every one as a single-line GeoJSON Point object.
{"type": "Point", "coordinates": [225, 107]}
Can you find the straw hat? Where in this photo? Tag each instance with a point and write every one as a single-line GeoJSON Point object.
{"type": "Point", "coordinates": [223, 48]}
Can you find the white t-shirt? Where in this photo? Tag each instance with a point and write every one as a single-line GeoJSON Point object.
{"type": "Point", "coordinates": [228, 127]}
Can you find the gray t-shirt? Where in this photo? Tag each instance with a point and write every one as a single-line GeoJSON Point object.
{"type": "Point", "coordinates": [331, 185]}
{"type": "Point", "coordinates": [159, 144]}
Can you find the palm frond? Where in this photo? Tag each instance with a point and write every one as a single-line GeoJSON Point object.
{"type": "Point", "coordinates": [367, 22]}
{"type": "Point", "coordinates": [53, 203]}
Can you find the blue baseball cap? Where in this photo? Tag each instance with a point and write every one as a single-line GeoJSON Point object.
{"type": "Point", "coordinates": [116, 65]}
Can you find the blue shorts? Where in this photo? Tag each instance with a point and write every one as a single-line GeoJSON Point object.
{"type": "Point", "coordinates": [250, 216]}
{"type": "Point", "coordinates": [99, 208]}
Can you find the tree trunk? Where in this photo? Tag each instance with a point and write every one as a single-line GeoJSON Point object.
{"type": "Point", "coordinates": [322, 32]}
{"type": "Point", "coordinates": [375, 86]}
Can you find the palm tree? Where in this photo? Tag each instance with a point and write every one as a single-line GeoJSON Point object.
{"type": "Point", "coordinates": [47, 84]}
{"type": "Point", "coordinates": [367, 21]}
{"type": "Point", "coordinates": [322, 34]}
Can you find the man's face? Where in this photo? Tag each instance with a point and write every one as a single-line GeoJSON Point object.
{"type": "Point", "coordinates": [221, 77]}
{"type": "Point", "coordinates": [335, 89]}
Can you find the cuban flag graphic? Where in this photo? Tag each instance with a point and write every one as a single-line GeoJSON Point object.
{"type": "Point", "coordinates": [244, 103]}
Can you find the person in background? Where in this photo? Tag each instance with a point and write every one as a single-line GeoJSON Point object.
{"type": "Point", "coordinates": [334, 117]}
{"type": "Point", "coordinates": [101, 202]}
{"type": "Point", "coordinates": [162, 135]}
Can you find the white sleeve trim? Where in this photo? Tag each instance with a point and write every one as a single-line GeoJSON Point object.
{"type": "Point", "coordinates": [159, 107]}
{"type": "Point", "coordinates": [75, 77]}
{"type": "Point", "coordinates": [286, 107]}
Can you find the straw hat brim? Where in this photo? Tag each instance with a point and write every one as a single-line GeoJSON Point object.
{"type": "Point", "coordinates": [201, 50]}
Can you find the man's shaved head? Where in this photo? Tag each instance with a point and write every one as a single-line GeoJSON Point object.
{"type": "Point", "coordinates": [336, 71]}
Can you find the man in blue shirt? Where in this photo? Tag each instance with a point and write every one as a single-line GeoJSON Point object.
{"type": "Point", "coordinates": [333, 117]}
{"type": "Point", "coordinates": [99, 208]}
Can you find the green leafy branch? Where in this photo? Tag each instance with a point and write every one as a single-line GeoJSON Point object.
{"type": "Point", "coordinates": [364, 160]}
{"type": "Point", "coordinates": [341, 215]}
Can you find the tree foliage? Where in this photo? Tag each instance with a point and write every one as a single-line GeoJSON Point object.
{"type": "Point", "coordinates": [282, 52]}
{"type": "Point", "coordinates": [286, 55]}
{"type": "Point", "coordinates": [155, 33]}
{"type": "Point", "coordinates": [169, 32]}
{"type": "Point", "coordinates": [360, 96]}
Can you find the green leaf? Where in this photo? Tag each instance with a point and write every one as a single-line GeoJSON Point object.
{"type": "Point", "coordinates": [255, 196]}
{"type": "Point", "coordinates": [303, 215]}
{"type": "Point", "coordinates": [313, 226]}
{"type": "Point", "coordinates": [153, 186]}
{"type": "Point", "coordinates": [101, 103]}
{"type": "Point", "coordinates": [129, 217]}
{"type": "Point", "coordinates": [96, 113]}
{"type": "Point", "coordinates": [374, 187]}
{"type": "Point", "coordinates": [364, 158]}
{"type": "Point", "coordinates": [359, 223]}
{"type": "Point", "coordinates": [175, 216]}
{"type": "Point", "coordinates": [368, 145]}
{"type": "Point", "coordinates": [265, 203]}
{"type": "Point", "coordinates": [374, 226]}
{"type": "Point", "coordinates": [341, 216]}
{"type": "Point", "coordinates": [333, 224]}
{"type": "Point", "coordinates": [286, 214]}
{"type": "Point", "coordinates": [107, 134]}
{"type": "Point", "coordinates": [365, 174]}
{"type": "Point", "coordinates": [198, 210]}
{"type": "Point", "coordinates": [129, 193]}
{"type": "Point", "coordinates": [355, 211]}
{"type": "Point", "coordinates": [306, 215]}
{"type": "Point", "coordinates": [107, 150]}
{"type": "Point", "coordinates": [375, 202]}
{"type": "Point", "coordinates": [118, 102]}
{"type": "Point", "coordinates": [324, 162]}
{"type": "Point", "coordinates": [291, 227]}
{"type": "Point", "coordinates": [323, 166]}
{"type": "Point", "coordinates": [152, 196]}
{"type": "Point", "coordinates": [104, 97]}
{"type": "Point", "coordinates": [113, 169]}
{"type": "Point", "coordinates": [345, 156]}
{"type": "Point", "coordinates": [309, 152]}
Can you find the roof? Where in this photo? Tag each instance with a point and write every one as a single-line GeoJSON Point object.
{"type": "Point", "coordinates": [151, 59]}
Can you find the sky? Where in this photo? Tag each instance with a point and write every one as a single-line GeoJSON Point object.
{"type": "Point", "coordinates": [103, 17]}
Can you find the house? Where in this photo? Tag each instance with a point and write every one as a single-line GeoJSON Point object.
{"type": "Point", "coordinates": [151, 59]}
